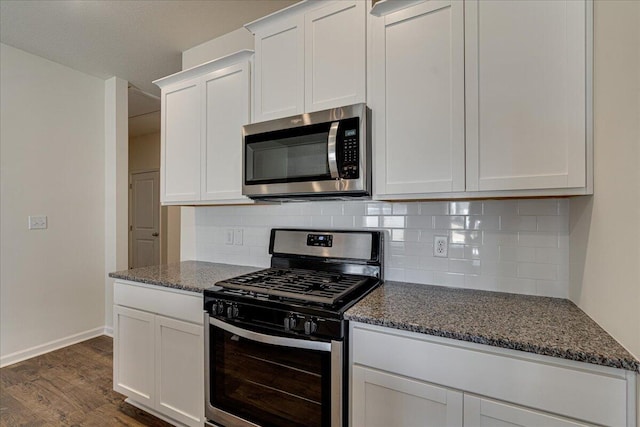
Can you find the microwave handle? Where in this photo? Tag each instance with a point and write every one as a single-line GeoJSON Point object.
{"type": "Point", "coordinates": [332, 158]}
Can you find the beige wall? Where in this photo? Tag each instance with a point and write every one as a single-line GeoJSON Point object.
{"type": "Point", "coordinates": [605, 227]}
{"type": "Point", "coordinates": [144, 152]}
{"type": "Point", "coordinates": [52, 137]}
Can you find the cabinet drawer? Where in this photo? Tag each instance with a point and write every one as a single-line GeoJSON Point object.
{"type": "Point", "coordinates": [588, 393]}
{"type": "Point", "coordinates": [164, 301]}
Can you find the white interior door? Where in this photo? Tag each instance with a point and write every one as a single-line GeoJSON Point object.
{"type": "Point", "coordinates": [145, 219]}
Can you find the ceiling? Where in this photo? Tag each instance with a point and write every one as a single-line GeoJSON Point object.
{"type": "Point", "coordinates": [138, 41]}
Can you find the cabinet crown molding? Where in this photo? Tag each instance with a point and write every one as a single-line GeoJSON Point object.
{"type": "Point", "coordinates": [202, 69]}
{"type": "Point", "coordinates": [295, 9]}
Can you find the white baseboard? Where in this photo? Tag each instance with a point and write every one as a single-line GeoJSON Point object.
{"type": "Point", "coordinates": [21, 355]}
{"type": "Point", "coordinates": [108, 331]}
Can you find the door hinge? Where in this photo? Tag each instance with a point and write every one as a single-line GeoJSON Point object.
{"type": "Point", "coordinates": [130, 186]}
{"type": "Point", "coordinates": [131, 228]}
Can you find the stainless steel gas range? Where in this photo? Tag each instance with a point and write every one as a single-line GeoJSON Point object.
{"type": "Point", "coordinates": [275, 340]}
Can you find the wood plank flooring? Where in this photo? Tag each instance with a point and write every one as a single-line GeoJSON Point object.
{"type": "Point", "coordinates": [68, 387]}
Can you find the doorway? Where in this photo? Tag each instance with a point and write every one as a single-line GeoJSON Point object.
{"type": "Point", "coordinates": [144, 219]}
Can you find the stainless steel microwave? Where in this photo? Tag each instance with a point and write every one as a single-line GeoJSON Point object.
{"type": "Point", "coordinates": [321, 155]}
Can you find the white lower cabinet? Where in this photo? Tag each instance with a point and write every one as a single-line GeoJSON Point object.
{"type": "Point", "coordinates": [401, 378]}
{"type": "Point", "coordinates": [382, 399]}
{"type": "Point", "coordinates": [158, 360]}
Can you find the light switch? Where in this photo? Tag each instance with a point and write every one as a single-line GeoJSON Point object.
{"type": "Point", "coordinates": [37, 222]}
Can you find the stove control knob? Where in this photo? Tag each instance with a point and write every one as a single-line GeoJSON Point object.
{"type": "Point", "coordinates": [217, 308]}
{"type": "Point", "coordinates": [310, 327]}
{"type": "Point", "coordinates": [290, 323]}
{"type": "Point", "coordinates": [232, 311]}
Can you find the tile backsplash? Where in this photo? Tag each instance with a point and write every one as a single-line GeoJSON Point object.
{"type": "Point", "coordinates": [519, 246]}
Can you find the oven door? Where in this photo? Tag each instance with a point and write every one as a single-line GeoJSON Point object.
{"type": "Point", "coordinates": [264, 380]}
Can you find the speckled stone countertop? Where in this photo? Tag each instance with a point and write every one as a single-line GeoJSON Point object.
{"type": "Point", "coordinates": [194, 276]}
{"type": "Point", "coordinates": [549, 326]}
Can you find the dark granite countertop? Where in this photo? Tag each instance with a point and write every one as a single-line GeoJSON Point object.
{"type": "Point", "coordinates": [549, 326]}
{"type": "Point", "coordinates": [194, 276]}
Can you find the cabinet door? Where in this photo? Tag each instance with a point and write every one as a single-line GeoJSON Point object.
{"type": "Point", "coordinates": [180, 154]}
{"type": "Point", "coordinates": [179, 370]}
{"type": "Point", "coordinates": [335, 46]}
{"type": "Point", "coordinates": [225, 107]}
{"type": "Point", "coordinates": [133, 354]}
{"type": "Point", "coordinates": [417, 99]}
{"type": "Point", "coordinates": [479, 412]}
{"type": "Point", "coordinates": [526, 94]}
{"type": "Point", "coordinates": [279, 65]}
{"type": "Point", "coordinates": [382, 399]}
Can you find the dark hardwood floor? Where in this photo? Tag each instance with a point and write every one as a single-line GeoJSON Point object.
{"type": "Point", "coordinates": [67, 387]}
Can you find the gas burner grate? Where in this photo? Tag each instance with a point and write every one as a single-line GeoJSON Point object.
{"type": "Point", "coordinates": [305, 285]}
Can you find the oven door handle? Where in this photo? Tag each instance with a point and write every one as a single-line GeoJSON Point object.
{"type": "Point", "coordinates": [332, 157]}
{"type": "Point", "coordinates": [270, 339]}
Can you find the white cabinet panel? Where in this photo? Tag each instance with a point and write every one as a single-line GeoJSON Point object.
{"type": "Point", "coordinates": [480, 412]}
{"type": "Point", "coordinates": [180, 370]}
{"type": "Point", "coordinates": [526, 94]}
{"type": "Point", "coordinates": [226, 110]}
{"type": "Point", "coordinates": [180, 177]}
{"type": "Point", "coordinates": [279, 65]}
{"type": "Point", "coordinates": [203, 110]}
{"type": "Point", "coordinates": [335, 49]}
{"type": "Point", "coordinates": [133, 354]}
{"type": "Point", "coordinates": [417, 98]}
{"type": "Point", "coordinates": [382, 399]}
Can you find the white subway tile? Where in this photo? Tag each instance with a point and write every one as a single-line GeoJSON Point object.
{"type": "Point", "coordinates": [455, 280]}
{"type": "Point", "coordinates": [482, 222]}
{"type": "Point", "coordinates": [321, 221]}
{"type": "Point", "coordinates": [396, 248]}
{"type": "Point", "coordinates": [465, 208]}
{"type": "Point", "coordinates": [393, 221]}
{"type": "Point", "coordinates": [418, 276]}
{"type": "Point", "coordinates": [408, 208]}
{"type": "Point", "coordinates": [563, 207]}
{"type": "Point", "coordinates": [499, 238]}
{"type": "Point", "coordinates": [448, 222]}
{"type": "Point", "coordinates": [500, 207]}
{"type": "Point", "coordinates": [466, 266]}
{"type": "Point", "coordinates": [480, 252]}
{"type": "Point", "coordinates": [379, 208]}
{"type": "Point", "coordinates": [432, 263]}
{"type": "Point", "coordinates": [396, 274]}
{"type": "Point", "coordinates": [434, 208]}
{"type": "Point", "coordinates": [367, 222]}
{"type": "Point", "coordinates": [551, 288]}
{"type": "Point", "coordinates": [343, 221]}
{"type": "Point", "coordinates": [518, 223]}
{"type": "Point", "coordinates": [538, 207]}
{"type": "Point", "coordinates": [418, 248]}
{"type": "Point", "coordinates": [466, 237]}
{"type": "Point", "coordinates": [420, 222]}
{"type": "Point", "coordinates": [538, 240]}
{"type": "Point", "coordinates": [528, 270]}
{"type": "Point", "coordinates": [517, 254]}
{"type": "Point", "coordinates": [499, 268]}
{"type": "Point", "coordinates": [550, 256]}
{"type": "Point", "coordinates": [332, 208]}
{"type": "Point", "coordinates": [553, 223]}
{"type": "Point", "coordinates": [355, 208]}
{"type": "Point", "coordinates": [456, 250]}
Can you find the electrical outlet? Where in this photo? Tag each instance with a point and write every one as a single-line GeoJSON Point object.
{"type": "Point", "coordinates": [228, 236]}
{"type": "Point", "coordinates": [441, 246]}
{"type": "Point", "coordinates": [237, 237]}
{"type": "Point", "coordinates": [37, 222]}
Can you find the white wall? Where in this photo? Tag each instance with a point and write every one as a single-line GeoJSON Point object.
{"type": "Point", "coordinates": [222, 46]}
{"type": "Point", "coordinates": [52, 160]}
{"type": "Point", "coordinates": [605, 228]}
{"type": "Point", "coordinates": [519, 246]}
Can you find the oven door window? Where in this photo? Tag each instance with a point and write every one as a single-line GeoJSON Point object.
{"type": "Point", "coordinates": [294, 155]}
{"type": "Point", "coordinates": [270, 385]}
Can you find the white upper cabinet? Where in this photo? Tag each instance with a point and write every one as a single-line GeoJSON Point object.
{"type": "Point", "coordinates": [417, 99]}
{"type": "Point", "coordinates": [481, 98]}
{"type": "Point", "coordinates": [335, 50]}
{"type": "Point", "coordinates": [203, 111]}
{"type": "Point", "coordinates": [526, 103]}
{"type": "Point", "coordinates": [180, 141]}
{"type": "Point", "coordinates": [309, 57]}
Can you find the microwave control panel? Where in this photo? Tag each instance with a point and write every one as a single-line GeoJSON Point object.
{"type": "Point", "coordinates": [350, 148]}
